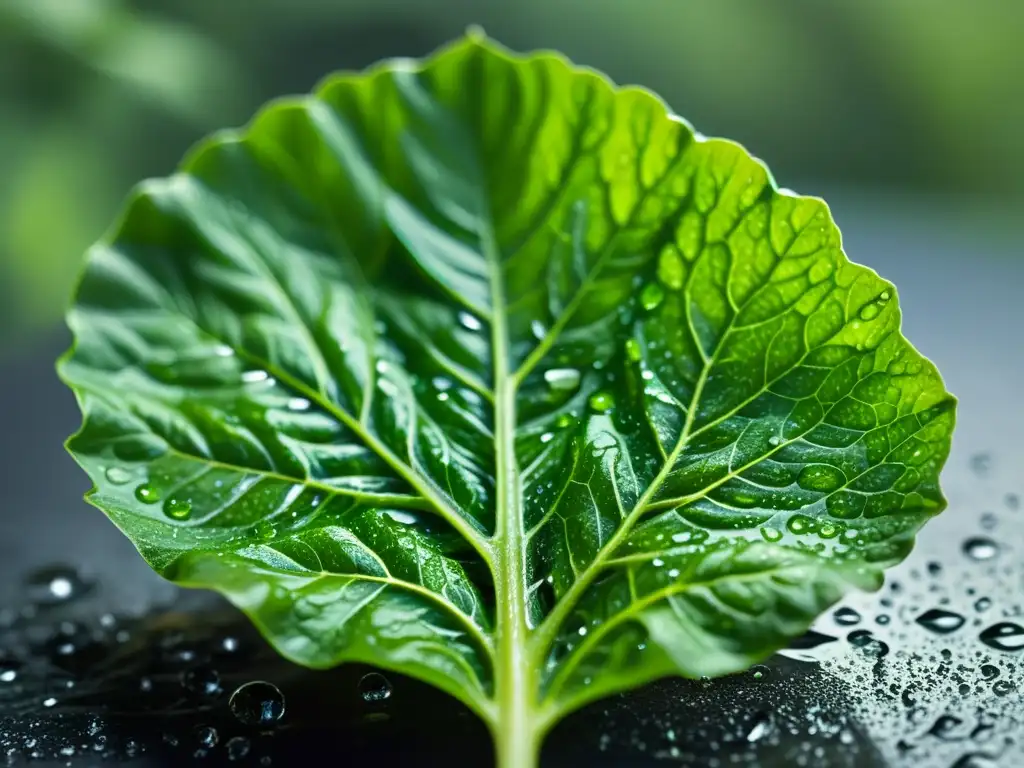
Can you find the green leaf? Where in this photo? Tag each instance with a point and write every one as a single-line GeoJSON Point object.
{"type": "Point", "coordinates": [484, 370]}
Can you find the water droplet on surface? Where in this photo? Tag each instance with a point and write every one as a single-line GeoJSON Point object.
{"type": "Point", "coordinates": [265, 530]}
{"type": "Point", "coordinates": [258, 703]}
{"type": "Point", "coordinates": [1002, 687]}
{"type": "Point", "coordinates": [538, 330]}
{"type": "Point", "coordinates": [469, 322]}
{"type": "Point", "coordinates": [980, 548]}
{"type": "Point", "coordinates": [178, 508]}
{"type": "Point", "coordinates": [202, 681]}
{"type": "Point", "coordinates": [147, 494]}
{"type": "Point", "coordinates": [55, 584]}
{"type": "Point", "coordinates": [846, 617]}
{"type": "Point", "coordinates": [759, 671]}
{"type": "Point", "coordinates": [946, 728]}
{"type": "Point", "coordinates": [547, 437]}
{"type": "Point", "coordinates": [238, 748]}
{"type": "Point", "coordinates": [771, 534]}
{"type": "Point", "coordinates": [601, 402]}
{"type": "Point", "coordinates": [761, 726]}
{"type": "Point", "coordinates": [8, 670]}
{"type": "Point", "coordinates": [564, 421]}
{"type": "Point", "coordinates": [50, 702]}
{"type": "Point", "coordinates": [1004, 636]}
{"type": "Point", "coordinates": [867, 643]}
{"type": "Point", "coordinates": [207, 736]}
{"type": "Point", "coordinates": [374, 688]}
{"type": "Point", "coordinates": [988, 520]}
{"type": "Point", "coordinates": [118, 475]}
{"type": "Point", "coordinates": [298, 404]}
{"type": "Point", "coordinates": [940, 622]}
{"type": "Point", "coordinates": [651, 296]}
{"type": "Point", "coordinates": [562, 379]}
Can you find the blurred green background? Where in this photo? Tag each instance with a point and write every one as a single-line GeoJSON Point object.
{"type": "Point", "coordinates": [920, 101]}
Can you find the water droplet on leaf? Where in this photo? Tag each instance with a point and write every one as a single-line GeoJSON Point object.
{"type": "Point", "coordinates": [178, 508]}
{"type": "Point", "coordinates": [118, 475]}
{"type": "Point", "coordinates": [147, 494]}
{"type": "Point", "coordinates": [651, 296]}
{"type": "Point", "coordinates": [601, 402]}
{"type": "Point", "coordinates": [469, 322]}
{"type": "Point", "coordinates": [562, 379]}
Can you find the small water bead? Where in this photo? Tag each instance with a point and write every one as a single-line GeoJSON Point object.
{"type": "Point", "coordinates": [1012, 501]}
{"type": "Point", "coordinates": [562, 379]}
{"type": "Point", "coordinates": [55, 584]}
{"type": "Point", "coordinates": [178, 508]}
{"type": "Point", "coordinates": [759, 671]}
{"type": "Point", "coordinates": [9, 670]}
{"type": "Point", "coordinates": [207, 736]}
{"type": "Point", "coordinates": [771, 534]}
{"type": "Point", "coordinates": [375, 688]}
{"type": "Point", "coordinates": [299, 404]}
{"type": "Point", "coordinates": [203, 682]}
{"type": "Point", "coordinates": [564, 421]}
{"type": "Point", "coordinates": [1004, 636]}
{"type": "Point", "coordinates": [800, 524]}
{"type": "Point", "coordinates": [238, 748]}
{"type": "Point", "coordinates": [469, 322]}
{"type": "Point", "coordinates": [846, 617]}
{"type": "Point", "coordinates": [538, 330]}
{"type": "Point", "coordinates": [867, 643]}
{"type": "Point", "coordinates": [982, 604]}
{"type": "Point", "coordinates": [1002, 687]}
{"type": "Point", "coordinates": [940, 622]}
{"type": "Point", "coordinates": [265, 530]}
{"type": "Point", "coordinates": [258, 703]}
{"type": "Point", "coordinates": [147, 494]}
{"type": "Point", "coordinates": [50, 702]}
{"type": "Point", "coordinates": [760, 728]}
{"type": "Point", "coordinates": [601, 402]}
{"type": "Point", "coordinates": [118, 475]}
{"type": "Point", "coordinates": [828, 530]}
{"type": "Point", "coordinates": [547, 437]}
{"type": "Point", "coordinates": [989, 671]}
{"type": "Point", "coordinates": [651, 296]}
{"type": "Point", "coordinates": [980, 548]}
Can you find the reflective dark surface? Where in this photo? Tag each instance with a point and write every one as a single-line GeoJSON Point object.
{"type": "Point", "coordinates": [927, 673]}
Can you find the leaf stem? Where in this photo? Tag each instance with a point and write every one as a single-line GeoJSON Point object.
{"type": "Point", "coordinates": [516, 737]}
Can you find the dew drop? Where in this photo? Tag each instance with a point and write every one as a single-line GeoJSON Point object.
{"type": "Point", "coordinates": [980, 548]}
{"type": "Point", "coordinates": [147, 494]}
{"type": "Point", "coordinates": [1002, 687]}
{"type": "Point", "coordinates": [867, 643]}
{"type": "Point", "coordinates": [374, 688]}
{"type": "Point", "coordinates": [771, 534]}
{"type": "Point", "coordinates": [828, 530]}
{"type": "Point", "coordinates": [564, 421]}
{"type": "Point", "coordinates": [846, 617]}
{"type": "Point", "coordinates": [940, 622]}
{"type": "Point", "coordinates": [601, 402]}
{"type": "Point", "coordinates": [254, 377]}
{"type": "Point", "coordinates": [1004, 636]}
{"type": "Point", "coordinates": [55, 584]}
{"type": "Point", "coordinates": [681, 538]}
{"type": "Point", "coordinates": [799, 524]}
{"type": "Point", "coordinates": [178, 508]}
{"type": "Point", "coordinates": [265, 530]}
{"type": "Point", "coordinates": [989, 671]}
{"type": "Point", "coordinates": [298, 404]}
{"type": "Point", "coordinates": [982, 604]}
{"type": "Point", "coordinates": [9, 670]}
{"type": "Point", "coordinates": [207, 736]}
{"type": "Point", "coordinates": [759, 671]}
{"type": "Point", "coordinates": [469, 322]}
{"type": "Point", "coordinates": [562, 379]}
{"type": "Point", "coordinates": [238, 748]}
{"type": "Point", "coordinates": [50, 702]}
{"type": "Point", "coordinates": [547, 437]}
{"type": "Point", "coordinates": [651, 296]}
{"type": "Point", "coordinates": [538, 330]}
{"type": "Point", "coordinates": [202, 682]}
{"type": "Point", "coordinates": [258, 703]}
{"type": "Point", "coordinates": [118, 475]}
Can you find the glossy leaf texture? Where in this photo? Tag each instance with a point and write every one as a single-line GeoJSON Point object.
{"type": "Point", "coordinates": [483, 341]}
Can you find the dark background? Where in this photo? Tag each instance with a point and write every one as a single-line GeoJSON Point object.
{"type": "Point", "coordinates": [905, 115]}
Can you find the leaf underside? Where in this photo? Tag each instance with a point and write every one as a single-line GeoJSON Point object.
{"type": "Point", "coordinates": [294, 358]}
